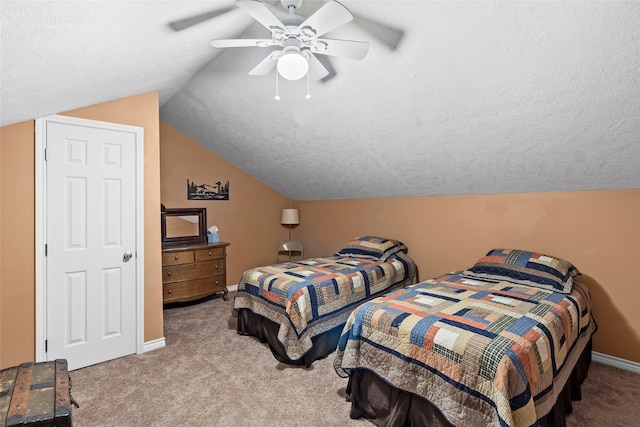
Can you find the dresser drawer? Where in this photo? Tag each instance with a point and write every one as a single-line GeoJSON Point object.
{"type": "Point", "coordinates": [180, 257]}
{"type": "Point", "coordinates": [188, 290]}
{"type": "Point", "coordinates": [212, 253]}
{"type": "Point", "coordinates": [192, 271]}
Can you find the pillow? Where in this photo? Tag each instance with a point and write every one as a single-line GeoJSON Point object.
{"type": "Point", "coordinates": [372, 247]}
{"type": "Point", "coordinates": [526, 268]}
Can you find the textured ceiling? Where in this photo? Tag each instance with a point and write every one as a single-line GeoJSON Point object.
{"type": "Point", "coordinates": [477, 98]}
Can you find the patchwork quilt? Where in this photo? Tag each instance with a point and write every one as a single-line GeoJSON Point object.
{"type": "Point", "coordinates": [484, 352]}
{"type": "Point", "coordinates": [312, 296]}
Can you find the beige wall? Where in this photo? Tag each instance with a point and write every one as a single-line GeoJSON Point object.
{"type": "Point", "coordinates": [598, 231]}
{"type": "Point", "coordinates": [17, 184]}
{"type": "Point", "coordinates": [249, 220]}
{"type": "Point", "coordinates": [17, 235]}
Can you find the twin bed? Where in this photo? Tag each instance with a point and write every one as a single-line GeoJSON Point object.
{"type": "Point", "coordinates": [506, 342]}
{"type": "Point", "coordinates": [299, 308]}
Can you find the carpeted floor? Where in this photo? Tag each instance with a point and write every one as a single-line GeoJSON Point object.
{"type": "Point", "coordinates": [207, 375]}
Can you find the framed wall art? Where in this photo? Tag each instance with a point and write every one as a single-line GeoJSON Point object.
{"type": "Point", "coordinates": [215, 191]}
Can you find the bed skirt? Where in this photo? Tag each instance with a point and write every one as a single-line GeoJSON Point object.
{"type": "Point", "coordinates": [385, 405]}
{"type": "Point", "coordinates": [266, 330]}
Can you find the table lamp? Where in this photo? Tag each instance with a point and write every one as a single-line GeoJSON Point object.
{"type": "Point", "coordinates": [290, 218]}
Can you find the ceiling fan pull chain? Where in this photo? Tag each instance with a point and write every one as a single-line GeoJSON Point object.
{"type": "Point", "coordinates": [308, 96]}
{"type": "Point", "coordinates": [277, 97]}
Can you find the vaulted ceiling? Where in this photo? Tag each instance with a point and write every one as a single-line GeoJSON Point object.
{"type": "Point", "coordinates": [453, 97]}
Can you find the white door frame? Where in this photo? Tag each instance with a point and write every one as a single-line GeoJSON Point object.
{"type": "Point", "coordinates": [41, 226]}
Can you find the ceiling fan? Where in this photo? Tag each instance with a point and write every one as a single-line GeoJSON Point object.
{"type": "Point", "coordinates": [298, 39]}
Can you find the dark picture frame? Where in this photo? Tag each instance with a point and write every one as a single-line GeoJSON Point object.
{"type": "Point", "coordinates": [217, 191]}
{"type": "Point", "coordinates": [200, 237]}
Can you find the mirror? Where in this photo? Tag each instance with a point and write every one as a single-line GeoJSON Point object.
{"type": "Point", "coordinates": [184, 227]}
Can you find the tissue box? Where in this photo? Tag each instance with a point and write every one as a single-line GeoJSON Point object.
{"type": "Point", "coordinates": [213, 238]}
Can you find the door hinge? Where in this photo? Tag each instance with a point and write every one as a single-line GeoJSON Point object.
{"type": "Point", "coordinates": [46, 249]}
{"type": "Point", "coordinates": [46, 345]}
{"type": "Point", "coordinates": [45, 154]}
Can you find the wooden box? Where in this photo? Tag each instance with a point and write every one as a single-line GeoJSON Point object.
{"type": "Point", "coordinates": [36, 394]}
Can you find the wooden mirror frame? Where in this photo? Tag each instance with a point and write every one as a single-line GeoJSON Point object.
{"type": "Point", "coordinates": [201, 238]}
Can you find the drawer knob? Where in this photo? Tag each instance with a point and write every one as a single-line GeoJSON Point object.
{"type": "Point", "coordinates": [170, 290]}
{"type": "Point", "coordinates": [209, 253]}
{"type": "Point", "coordinates": [168, 273]}
{"type": "Point", "coordinates": [217, 282]}
{"type": "Point", "coordinates": [176, 257]}
{"type": "Point", "coordinates": [216, 267]}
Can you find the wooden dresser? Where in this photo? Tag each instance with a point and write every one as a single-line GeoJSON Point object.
{"type": "Point", "coordinates": [193, 272]}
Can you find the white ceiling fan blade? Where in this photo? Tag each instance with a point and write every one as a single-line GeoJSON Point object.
{"type": "Point", "coordinates": [326, 61]}
{"type": "Point", "coordinates": [241, 43]}
{"type": "Point", "coordinates": [261, 13]}
{"type": "Point", "coordinates": [387, 34]}
{"type": "Point", "coordinates": [328, 17]}
{"type": "Point", "coordinates": [264, 67]}
{"type": "Point", "coordinates": [190, 21]}
{"type": "Point", "coordinates": [317, 71]}
{"type": "Point", "coordinates": [345, 48]}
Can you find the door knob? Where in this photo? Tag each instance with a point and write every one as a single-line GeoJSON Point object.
{"type": "Point", "coordinates": [126, 256]}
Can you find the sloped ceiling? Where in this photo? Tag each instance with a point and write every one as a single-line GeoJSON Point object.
{"type": "Point", "coordinates": [477, 98]}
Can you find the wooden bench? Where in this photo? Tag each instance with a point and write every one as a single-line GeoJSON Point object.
{"type": "Point", "coordinates": [36, 394]}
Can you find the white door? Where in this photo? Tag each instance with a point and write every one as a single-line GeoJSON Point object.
{"type": "Point", "coordinates": [90, 242]}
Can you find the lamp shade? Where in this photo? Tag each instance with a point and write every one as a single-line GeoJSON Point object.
{"type": "Point", "coordinates": [290, 217]}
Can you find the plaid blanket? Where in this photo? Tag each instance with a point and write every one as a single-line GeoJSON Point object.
{"type": "Point", "coordinates": [312, 296]}
{"type": "Point", "coordinates": [485, 353]}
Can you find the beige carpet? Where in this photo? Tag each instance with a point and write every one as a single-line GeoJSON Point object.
{"type": "Point", "coordinates": [207, 375]}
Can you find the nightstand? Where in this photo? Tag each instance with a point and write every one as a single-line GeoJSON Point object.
{"type": "Point", "coordinates": [290, 248]}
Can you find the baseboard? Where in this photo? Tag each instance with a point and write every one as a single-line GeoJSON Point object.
{"type": "Point", "coordinates": [154, 345]}
{"type": "Point", "coordinates": [617, 362]}
{"type": "Point", "coordinates": [232, 288]}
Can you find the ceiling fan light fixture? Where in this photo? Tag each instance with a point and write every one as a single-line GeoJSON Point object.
{"type": "Point", "coordinates": [297, 38]}
{"type": "Point", "coordinates": [292, 65]}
